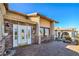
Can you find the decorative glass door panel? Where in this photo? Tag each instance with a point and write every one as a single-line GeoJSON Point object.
{"type": "Point", "coordinates": [15, 35]}
{"type": "Point", "coordinates": [22, 39]}
{"type": "Point", "coordinates": [28, 35]}
{"type": "Point", "coordinates": [21, 35]}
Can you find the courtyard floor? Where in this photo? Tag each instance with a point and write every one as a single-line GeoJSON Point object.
{"type": "Point", "coordinates": [53, 48]}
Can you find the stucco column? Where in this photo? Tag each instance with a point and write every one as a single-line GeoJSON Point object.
{"type": "Point", "coordinates": [1, 34]}
{"type": "Point", "coordinates": [1, 22]}
{"type": "Point", "coordinates": [52, 30]}
{"type": "Point", "coordinates": [0, 26]}
{"type": "Point", "coordinates": [38, 33]}
{"type": "Point", "coordinates": [2, 41]}
{"type": "Point", "coordinates": [55, 35]}
{"type": "Point", "coordinates": [2, 13]}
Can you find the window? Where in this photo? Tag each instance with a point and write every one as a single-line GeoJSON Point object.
{"type": "Point", "coordinates": [42, 31]}
{"type": "Point", "coordinates": [46, 32]}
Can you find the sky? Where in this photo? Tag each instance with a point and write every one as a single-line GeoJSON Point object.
{"type": "Point", "coordinates": [67, 14]}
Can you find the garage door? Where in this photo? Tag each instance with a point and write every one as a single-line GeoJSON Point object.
{"type": "Point", "coordinates": [21, 35]}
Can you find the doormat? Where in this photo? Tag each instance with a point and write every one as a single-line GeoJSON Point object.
{"type": "Point", "coordinates": [24, 46]}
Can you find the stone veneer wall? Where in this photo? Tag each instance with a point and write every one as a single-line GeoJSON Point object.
{"type": "Point", "coordinates": [34, 38]}
{"type": "Point", "coordinates": [9, 30]}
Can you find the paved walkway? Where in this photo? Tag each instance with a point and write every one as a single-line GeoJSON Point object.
{"type": "Point", "coordinates": [55, 48]}
{"type": "Point", "coordinates": [73, 47]}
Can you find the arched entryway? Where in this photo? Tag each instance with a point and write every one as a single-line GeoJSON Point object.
{"type": "Point", "coordinates": [66, 36]}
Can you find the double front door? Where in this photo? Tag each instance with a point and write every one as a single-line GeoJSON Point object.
{"type": "Point", "coordinates": [21, 35]}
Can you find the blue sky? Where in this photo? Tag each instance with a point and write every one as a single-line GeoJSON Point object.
{"type": "Point", "coordinates": [66, 14]}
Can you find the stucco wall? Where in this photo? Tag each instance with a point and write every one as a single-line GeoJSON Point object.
{"type": "Point", "coordinates": [37, 34]}
{"type": "Point", "coordinates": [2, 13]}
{"type": "Point", "coordinates": [14, 16]}
{"type": "Point", "coordinates": [44, 23]}
{"type": "Point", "coordinates": [2, 8]}
{"type": "Point", "coordinates": [35, 19]}
{"type": "Point", "coordinates": [17, 17]}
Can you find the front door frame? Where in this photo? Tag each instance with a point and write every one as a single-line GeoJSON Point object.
{"type": "Point", "coordinates": [28, 32]}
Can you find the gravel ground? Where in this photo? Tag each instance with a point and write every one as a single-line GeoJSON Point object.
{"type": "Point", "coordinates": [54, 48]}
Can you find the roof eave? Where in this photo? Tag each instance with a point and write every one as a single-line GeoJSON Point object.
{"type": "Point", "coordinates": [38, 14]}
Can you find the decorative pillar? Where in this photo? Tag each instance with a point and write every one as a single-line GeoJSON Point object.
{"type": "Point", "coordinates": [1, 34]}
{"type": "Point", "coordinates": [38, 33]}
{"type": "Point", "coordinates": [1, 25]}
{"type": "Point", "coordinates": [1, 18]}
{"type": "Point", "coordinates": [52, 30]}
{"type": "Point", "coordinates": [2, 13]}
{"type": "Point", "coordinates": [2, 40]}
{"type": "Point", "coordinates": [56, 34]}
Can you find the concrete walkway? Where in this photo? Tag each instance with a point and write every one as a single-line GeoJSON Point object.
{"type": "Point", "coordinates": [55, 48]}
{"type": "Point", "coordinates": [73, 47]}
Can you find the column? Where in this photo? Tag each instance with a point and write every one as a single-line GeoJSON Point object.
{"type": "Point", "coordinates": [1, 34]}
{"type": "Point", "coordinates": [38, 33]}
{"type": "Point", "coordinates": [52, 30]}
{"type": "Point", "coordinates": [2, 41]}
{"type": "Point", "coordinates": [2, 12]}
{"type": "Point", "coordinates": [1, 25]}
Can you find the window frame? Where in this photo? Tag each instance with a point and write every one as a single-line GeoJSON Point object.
{"type": "Point", "coordinates": [44, 30]}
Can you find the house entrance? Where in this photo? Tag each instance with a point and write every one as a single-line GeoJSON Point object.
{"type": "Point", "coordinates": [21, 35]}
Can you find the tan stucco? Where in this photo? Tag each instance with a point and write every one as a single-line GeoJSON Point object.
{"type": "Point", "coordinates": [2, 8]}
{"type": "Point", "coordinates": [44, 23]}
{"type": "Point", "coordinates": [17, 17]}
{"type": "Point", "coordinates": [35, 19]}
{"type": "Point", "coordinates": [41, 19]}
{"type": "Point", "coordinates": [2, 41]}
{"type": "Point", "coordinates": [2, 13]}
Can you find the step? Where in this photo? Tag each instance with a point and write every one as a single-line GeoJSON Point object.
{"type": "Point", "coordinates": [1, 47]}
{"type": "Point", "coordinates": [1, 53]}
